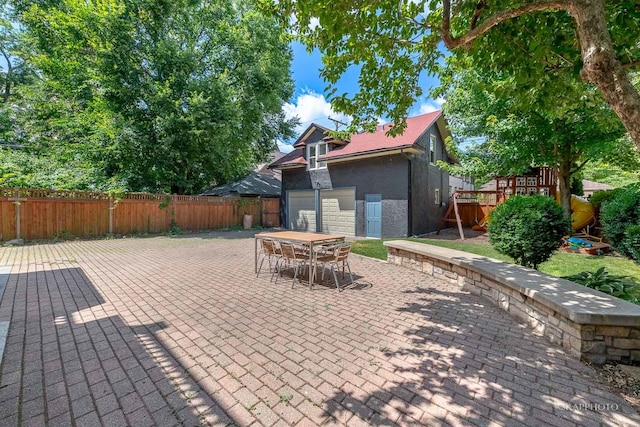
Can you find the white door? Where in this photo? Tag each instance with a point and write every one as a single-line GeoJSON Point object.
{"type": "Point", "coordinates": [302, 210]}
{"type": "Point", "coordinates": [338, 211]}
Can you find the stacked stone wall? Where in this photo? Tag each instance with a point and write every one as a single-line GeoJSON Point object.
{"type": "Point", "coordinates": [595, 343]}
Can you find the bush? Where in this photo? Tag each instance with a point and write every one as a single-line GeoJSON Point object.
{"type": "Point", "coordinates": [617, 286]}
{"type": "Point", "coordinates": [598, 198]}
{"type": "Point", "coordinates": [620, 213]}
{"type": "Point", "coordinates": [528, 228]}
{"type": "Point", "coordinates": [631, 241]}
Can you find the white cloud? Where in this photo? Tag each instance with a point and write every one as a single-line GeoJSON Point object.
{"type": "Point", "coordinates": [284, 147]}
{"type": "Point", "coordinates": [314, 23]}
{"type": "Point", "coordinates": [293, 21]}
{"type": "Point", "coordinates": [311, 107]}
{"type": "Point", "coordinates": [430, 105]}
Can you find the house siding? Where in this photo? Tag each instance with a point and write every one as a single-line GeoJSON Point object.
{"type": "Point", "coordinates": [387, 175]}
{"type": "Point", "coordinates": [426, 215]}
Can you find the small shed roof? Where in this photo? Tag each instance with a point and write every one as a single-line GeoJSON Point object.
{"type": "Point", "coordinates": [254, 184]}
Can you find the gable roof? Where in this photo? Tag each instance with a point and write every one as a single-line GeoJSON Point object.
{"type": "Point", "coordinates": [302, 139]}
{"type": "Point", "coordinates": [254, 184]}
{"type": "Point", "coordinates": [370, 142]}
{"type": "Point", "coordinates": [366, 143]}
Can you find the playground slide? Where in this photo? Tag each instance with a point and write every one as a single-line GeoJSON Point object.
{"type": "Point", "coordinates": [583, 213]}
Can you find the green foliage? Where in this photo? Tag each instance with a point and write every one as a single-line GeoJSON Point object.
{"type": "Point", "coordinates": [576, 185]}
{"type": "Point", "coordinates": [504, 136]}
{"type": "Point", "coordinates": [601, 280]}
{"type": "Point", "coordinates": [601, 197]}
{"type": "Point", "coordinates": [174, 228]}
{"type": "Point", "coordinates": [527, 228]}
{"type": "Point", "coordinates": [243, 205]}
{"type": "Point", "coordinates": [620, 213]}
{"type": "Point", "coordinates": [23, 169]}
{"type": "Point", "coordinates": [151, 95]}
{"type": "Point", "coordinates": [632, 241]}
{"type": "Point", "coordinates": [392, 43]}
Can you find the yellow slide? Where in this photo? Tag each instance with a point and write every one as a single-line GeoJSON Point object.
{"type": "Point", "coordinates": [583, 213]}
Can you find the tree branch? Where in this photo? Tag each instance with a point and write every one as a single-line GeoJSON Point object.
{"type": "Point", "coordinates": [535, 6]}
{"type": "Point", "coordinates": [631, 64]}
{"type": "Point", "coordinates": [580, 166]}
{"type": "Point", "coordinates": [476, 13]}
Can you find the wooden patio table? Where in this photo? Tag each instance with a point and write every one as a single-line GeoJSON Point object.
{"type": "Point", "coordinates": [302, 237]}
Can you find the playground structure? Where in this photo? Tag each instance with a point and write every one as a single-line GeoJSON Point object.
{"type": "Point", "coordinates": [472, 209]}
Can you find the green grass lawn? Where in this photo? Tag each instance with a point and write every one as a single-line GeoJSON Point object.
{"type": "Point", "coordinates": [560, 264]}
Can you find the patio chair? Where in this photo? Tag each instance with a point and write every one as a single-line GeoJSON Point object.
{"type": "Point", "coordinates": [293, 259]}
{"type": "Point", "coordinates": [270, 251]}
{"type": "Point", "coordinates": [337, 259]}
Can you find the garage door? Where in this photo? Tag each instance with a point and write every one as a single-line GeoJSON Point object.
{"type": "Point", "coordinates": [302, 210]}
{"type": "Point", "coordinates": [338, 211]}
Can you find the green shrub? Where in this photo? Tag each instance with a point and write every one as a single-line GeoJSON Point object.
{"type": "Point", "coordinates": [617, 286]}
{"type": "Point", "coordinates": [527, 228]}
{"type": "Point", "coordinates": [598, 198]}
{"type": "Point", "coordinates": [618, 214]}
{"type": "Point", "coordinates": [631, 241]}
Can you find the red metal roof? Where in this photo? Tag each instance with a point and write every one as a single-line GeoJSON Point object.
{"type": "Point", "coordinates": [367, 142]}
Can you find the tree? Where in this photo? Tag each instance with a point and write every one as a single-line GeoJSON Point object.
{"type": "Point", "coordinates": [578, 129]}
{"type": "Point", "coordinates": [184, 94]}
{"type": "Point", "coordinates": [393, 43]}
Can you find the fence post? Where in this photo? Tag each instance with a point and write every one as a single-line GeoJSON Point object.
{"type": "Point", "coordinates": [17, 201]}
{"type": "Point", "coordinates": [110, 215]}
{"type": "Point", "coordinates": [261, 211]}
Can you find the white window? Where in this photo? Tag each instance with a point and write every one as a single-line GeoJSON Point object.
{"type": "Point", "coordinates": [432, 149]}
{"type": "Point", "coordinates": [314, 151]}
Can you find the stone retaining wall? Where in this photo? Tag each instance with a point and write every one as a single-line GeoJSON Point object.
{"type": "Point", "coordinates": [586, 323]}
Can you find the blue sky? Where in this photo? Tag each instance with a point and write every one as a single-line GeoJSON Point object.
{"type": "Point", "coordinates": [309, 103]}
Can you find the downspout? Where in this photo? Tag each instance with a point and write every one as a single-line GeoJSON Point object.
{"type": "Point", "coordinates": [409, 195]}
{"type": "Point", "coordinates": [318, 210]}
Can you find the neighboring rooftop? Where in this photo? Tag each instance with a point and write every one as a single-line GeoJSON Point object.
{"type": "Point", "coordinates": [254, 184]}
{"type": "Point", "coordinates": [592, 186]}
{"type": "Point", "coordinates": [263, 168]}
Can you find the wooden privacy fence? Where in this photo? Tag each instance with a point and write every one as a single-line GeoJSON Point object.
{"type": "Point", "coordinates": [45, 214]}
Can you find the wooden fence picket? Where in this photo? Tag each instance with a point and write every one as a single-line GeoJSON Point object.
{"type": "Point", "coordinates": [47, 214]}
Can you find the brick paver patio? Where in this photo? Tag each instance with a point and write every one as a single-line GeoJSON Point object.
{"type": "Point", "coordinates": [178, 331]}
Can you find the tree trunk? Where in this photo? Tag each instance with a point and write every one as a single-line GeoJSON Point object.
{"type": "Point", "coordinates": [601, 66]}
{"type": "Point", "coordinates": [564, 179]}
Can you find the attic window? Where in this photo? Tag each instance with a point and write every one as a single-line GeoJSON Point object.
{"type": "Point", "coordinates": [432, 149]}
{"type": "Point", "coordinates": [314, 151]}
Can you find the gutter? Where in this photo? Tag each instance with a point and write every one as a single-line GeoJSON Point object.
{"type": "Point", "coordinates": [372, 153]}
